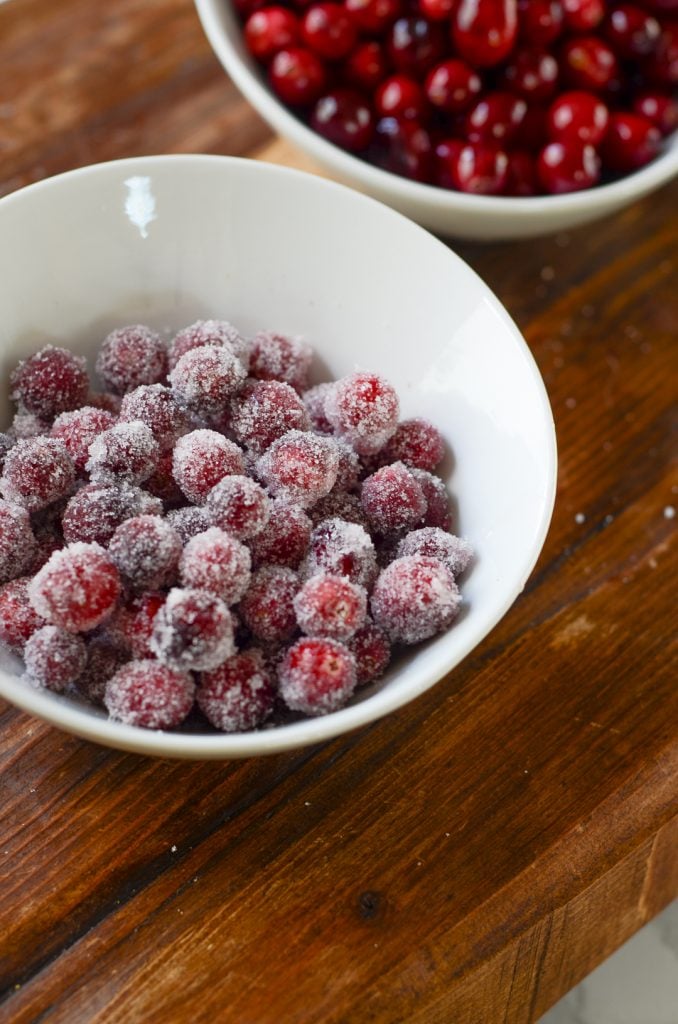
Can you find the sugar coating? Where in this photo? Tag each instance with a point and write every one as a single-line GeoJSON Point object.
{"type": "Point", "coordinates": [77, 588]}
{"type": "Point", "coordinates": [201, 459]}
{"type": "Point", "coordinates": [340, 548]}
{"type": "Point", "coordinates": [339, 505]}
{"type": "Point", "coordinates": [18, 618]}
{"type": "Point", "coordinates": [417, 443]}
{"type": "Point", "coordinates": [125, 453]}
{"type": "Point", "coordinates": [300, 466]}
{"type": "Point", "coordinates": [211, 333]}
{"type": "Point", "coordinates": [363, 408]}
{"type": "Point", "coordinates": [314, 400]}
{"type": "Point", "coordinates": [437, 500]}
{"type": "Point", "coordinates": [131, 626]}
{"type": "Point", "coordinates": [49, 382]}
{"type": "Point", "coordinates": [27, 424]}
{"type": "Point", "coordinates": [414, 598]}
{"type": "Point", "coordinates": [17, 541]}
{"type": "Point", "coordinates": [130, 356]}
{"type": "Point", "coordinates": [217, 562]}
{"type": "Point", "coordinates": [285, 539]}
{"type": "Point", "coordinates": [265, 411]}
{"type": "Point", "coordinates": [392, 498]}
{"type": "Point", "coordinates": [104, 658]}
{"type": "Point", "coordinates": [6, 442]}
{"type": "Point", "coordinates": [371, 650]}
{"type": "Point", "coordinates": [54, 658]}
{"type": "Point", "coordinates": [189, 521]}
{"type": "Point", "coordinates": [155, 405]}
{"type": "Point", "coordinates": [78, 429]}
{"type": "Point", "coordinates": [330, 606]}
{"type": "Point", "coordinates": [205, 379]}
{"type": "Point", "coordinates": [454, 552]}
{"type": "Point", "coordinates": [239, 695]}
{"type": "Point", "coordinates": [280, 357]}
{"type": "Point", "coordinates": [238, 505]}
{"type": "Point", "coordinates": [317, 676]}
{"type": "Point", "coordinates": [95, 512]}
{"type": "Point", "coordinates": [148, 694]}
{"type": "Point", "coordinates": [348, 470]}
{"type": "Point", "coordinates": [37, 471]}
{"type": "Point", "coordinates": [146, 551]}
{"type": "Point", "coordinates": [267, 609]}
{"type": "Point", "coordinates": [192, 631]}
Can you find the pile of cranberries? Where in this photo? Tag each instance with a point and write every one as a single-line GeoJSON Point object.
{"type": "Point", "coordinates": [492, 97]}
{"type": "Point", "coordinates": [210, 535]}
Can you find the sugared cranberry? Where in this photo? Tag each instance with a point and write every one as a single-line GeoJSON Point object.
{"type": "Point", "coordinates": [267, 609]}
{"type": "Point", "coordinates": [481, 168]}
{"type": "Point", "coordinates": [532, 74]}
{"type": "Point", "coordinates": [131, 356]}
{"type": "Point", "coordinates": [328, 30]}
{"type": "Point", "coordinates": [366, 66]}
{"type": "Point", "coordinates": [403, 147]}
{"type": "Point", "coordinates": [216, 562]}
{"type": "Point", "coordinates": [583, 15]}
{"type": "Point", "coordinates": [125, 453]}
{"type": "Point", "coordinates": [104, 658]}
{"type": "Point", "coordinates": [363, 409]}
{"type": "Point", "coordinates": [495, 118]}
{"type": "Point", "coordinates": [300, 466]}
{"type": "Point", "coordinates": [150, 695]}
{"type": "Point", "coordinates": [452, 86]}
{"type": "Point", "coordinates": [146, 551]}
{"type": "Point", "coordinates": [193, 631]}
{"type": "Point", "coordinates": [105, 400]}
{"type": "Point", "coordinates": [630, 142]}
{"type": "Point", "coordinates": [77, 588]}
{"type": "Point", "coordinates": [131, 625]}
{"type": "Point", "coordinates": [578, 116]}
{"type": "Point", "coordinates": [18, 618]}
{"type": "Point", "coordinates": [317, 676]}
{"type": "Point", "coordinates": [205, 379]}
{"type": "Point", "coordinates": [568, 167]}
{"type": "Point", "coordinates": [631, 31]}
{"type": "Point", "coordinates": [349, 468]}
{"type": "Point", "coordinates": [400, 96]}
{"type": "Point", "coordinates": [37, 472]}
{"type": "Point", "coordinates": [155, 405]}
{"type": "Point", "coordinates": [238, 695]}
{"type": "Point", "coordinates": [189, 522]}
{"type": "Point", "coordinates": [201, 459]}
{"type": "Point", "coordinates": [280, 357]}
{"type": "Point", "coordinates": [314, 400]}
{"type": "Point", "coordinates": [344, 117]}
{"type": "Point", "coordinates": [210, 334]}
{"type": "Point", "coordinates": [330, 606]}
{"type": "Point", "coordinates": [26, 424]}
{"type": "Point", "coordinates": [392, 499]}
{"type": "Point", "coordinates": [453, 552]}
{"type": "Point", "coordinates": [540, 21]}
{"type": "Point", "coordinates": [286, 537]}
{"type": "Point", "coordinates": [266, 411]}
{"type": "Point", "coordinates": [436, 10]}
{"type": "Point", "coordinates": [373, 16]}
{"type": "Point", "coordinates": [414, 598]}
{"type": "Point", "coordinates": [436, 497]}
{"type": "Point", "coordinates": [415, 45]}
{"type": "Point", "coordinates": [95, 512]}
{"type": "Point", "coordinates": [297, 75]}
{"type": "Point", "coordinates": [484, 31]}
{"type": "Point", "coordinates": [371, 651]}
{"type": "Point", "coordinates": [238, 505]}
{"type": "Point", "coordinates": [17, 541]}
{"type": "Point", "coordinates": [54, 658]}
{"type": "Point", "coordinates": [341, 548]}
{"type": "Point", "coordinates": [588, 63]}
{"type": "Point", "coordinates": [78, 429]}
{"type": "Point", "coordinates": [270, 29]}
{"type": "Point", "coordinates": [659, 108]}
{"type": "Point", "coordinates": [50, 382]}
{"type": "Point", "coordinates": [521, 178]}
{"type": "Point", "coordinates": [416, 442]}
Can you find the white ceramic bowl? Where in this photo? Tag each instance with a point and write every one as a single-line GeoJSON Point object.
{"type": "Point", "coordinates": [166, 240]}
{"type": "Point", "coordinates": [445, 212]}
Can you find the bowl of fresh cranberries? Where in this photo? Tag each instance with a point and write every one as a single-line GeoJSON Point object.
{"type": "Point", "coordinates": [273, 460]}
{"type": "Point", "coordinates": [486, 119]}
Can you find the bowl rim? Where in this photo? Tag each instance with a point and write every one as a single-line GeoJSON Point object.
{"type": "Point", "coordinates": [79, 720]}
{"type": "Point", "coordinates": [632, 186]}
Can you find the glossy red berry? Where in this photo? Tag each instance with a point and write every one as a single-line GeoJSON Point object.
{"type": "Point", "coordinates": [481, 168]}
{"type": "Point", "coordinates": [328, 30]}
{"type": "Point", "coordinates": [568, 167]}
{"type": "Point", "coordinates": [531, 133]}
{"type": "Point", "coordinates": [446, 156]}
{"type": "Point", "coordinates": [484, 31]}
{"type": "Point", "coordinates": [297, 76]}
{"type": "Point", "coordinates": [587, 62]}
{"type": "Point", "coordinates": [495, 118]}
{"type": "Point", "coordinates": [344, 118]}
{"type": "Point", "coordinates": [400, 96]}
{"type": "Point", "coordinates": [373, 16]}
{"type": "Point", "coordinates": [578, 115]}
{"type": "Point", "coordinates": [630, 142]}
{"type": "Point", "coordinates": [415, 45]}
{"type": "Point", "coordinates": [366, 67]}
{"type": "Point", "coordinates": [659, 108]}
{"type": "Point", "coordinates": [269, 30]}
{"type": "Point", "coordinates": [662, 66]}
{"type": "Point", "coordinates": [532, 73]}
{"type": "Point", "coordinates": [540, 22]}
{"type": "Point", "coordinates": [583, 15]}
{"type": "Point", "coordinates": [521, 179]}
{"type": "Point", "coordinates": [436, 10]}
{"type": "Point", "coordinates": [631, 31]}
{"type": "Point", "coordinates": [452, 86]}
{"type": "Point", "coordinates": [404, 147]}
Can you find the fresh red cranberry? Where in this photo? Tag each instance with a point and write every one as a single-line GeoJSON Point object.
{"type": "Point", "coordinates": [404, 147]}
{"type": "Point", "coordinates": [452, 86]}
{"type": "Point", "coordinates": [436, 10]}
{"type": "Point", "coordinates": [532, 73]}
{"type": "Point", "coordinates": [400, 96]}
{"type": "Point", "coordinates": [269, 30]}
{"type": "Point", "coordinates": [583, 15]}
{"type": "Point", "coordinates": [658, 107]}
{"type": "Point", "coordinates": [578, 115]}
{"type": "Point", "coordinates": [532, 130]}
{"type": "Point", "coordinates": [343, 117]}
{"type": "Point", "coordinates": [496, 117]}
{"type": "Point", "coordinates": [662, 66]}
{"type": "Point", "coordinates": [630, 142]}
{"type": "Point", "coordinates": [50, 382]}
{"type": "Point", "coordinates": [481, 168]}
{"type": "Point", "coordinates": [446, 156]}
{"type": "Point", "coordinates": [540, 22]}
{"type": "Point", "coordinates": [484, 31]}
{"type": "Point", "coordinates": [328, 30]}
{"type": "Point", "coordinates": [373, 16]}
{"type": "Point", "coordinates": [247, 7]}
{"type": "Point", "coordinates": [415, 44]}
{"type": "Point", "coordinates": [588, 63]}
{"type": "Point", "coordinates": [568, 167]}
{"type": "Point", "coordinates": [366, 67]}
{"type": "Point", "coordinates": [297, 76]}
{"type": "Point", "coordinates": [631, 31]}
{"type": "Point", "coordinates": [203, 458]}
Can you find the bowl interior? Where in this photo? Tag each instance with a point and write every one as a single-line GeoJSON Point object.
{"type": "Point", "coordinates": [168, 240]}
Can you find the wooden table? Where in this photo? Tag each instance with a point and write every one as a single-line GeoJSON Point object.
{"type": "Point", "coordinates": [467, 860]}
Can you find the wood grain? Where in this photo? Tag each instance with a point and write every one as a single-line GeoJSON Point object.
{"type": "Point", "coordinates": [473, 856]}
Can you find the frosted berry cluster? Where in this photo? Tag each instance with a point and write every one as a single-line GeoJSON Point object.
{"type": "Point", "coordinates": [209, 534]}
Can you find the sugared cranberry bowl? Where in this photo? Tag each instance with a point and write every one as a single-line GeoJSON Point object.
{"type": "Point", "coordinates": [485, 119]}
{"type": "Point", "coordinates": [166, 242]}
